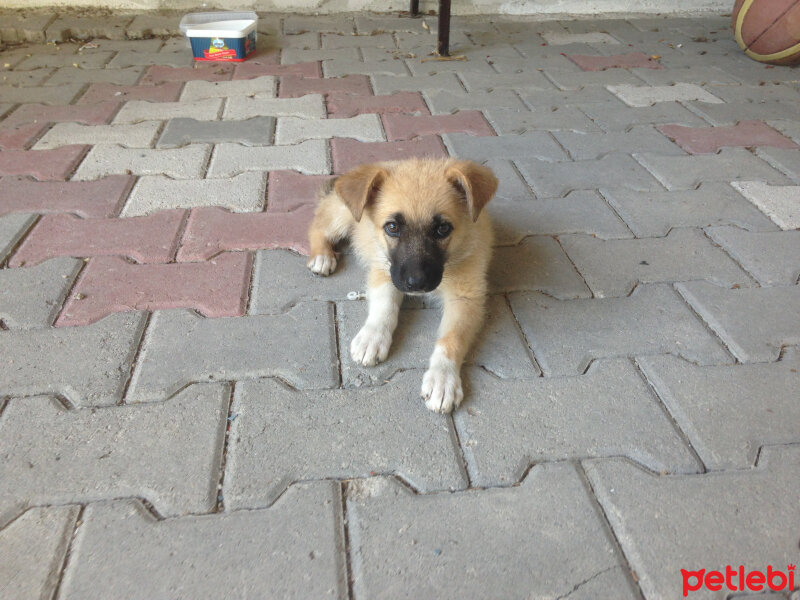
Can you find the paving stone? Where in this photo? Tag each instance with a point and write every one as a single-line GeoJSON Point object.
{"type": "Point", "coordinates": [371, 38]}
{"type": "Point", "coordinates": [293, 130]}
{"type": "Point", "coordinates": [733, 112]}
{"type": "Point", "coordinates": [251, 132]}
{"type": "Point", "coordinates": [714, 406]}
{"type": "Point", "coordinates": [785, 160]}
{"type": "Point", "coordinates": [13, 228]}
{"type": "Point", "coordinates": [87, 365]}
{"type": "Point", "coordinates": [200, 90]}
{"type": "Point", "coordinates": [71, 27]}
{"type": "Point", "coordinates": [342, 105]}
{"type": "Point", "coordinates": [61, 95]}
{"type": "Point", "coordinates": [296, 24]}
{"type": "Point", "coordinates": [618, 117]}
{"type": "Point", "coordinates": [639, 138]}
{"type": "Point", "coordinates": [101, 198]}
{"type": "Point", "coordinates": [347, 154]}
{"type": "Point", "coordinates": [558, 38]}
{"type": "Point", "coordinates": [442, 103]}
{"type": "Point", "coordinates": [773, 258]}
{"type": "Point", "coordinates": [294, 86]}
{"type": "Point", "coordinates": [653, 214]}
{"type": "Point", "coordinates": [540, 119]}
{"type": "Point", "coordinates": [89, 61]}
{"type": "Point", "coordinates": [729, 164]}
{"type": "Point", "coordinates": [135, 111]}
{"type": "Point", "coordinates": [706, 140]}
{"type": "Point", "coordinates": [567, 335]}
{"type": "Point", "coordinates": [29, 27]}
{"type": "Point", "coordinates": [419, 545]}
{"type": "Point", "coordinates": [159, 74]}
{"type": "Point", "coordinates": [34, 547]}
{"type": "Point", "coordinates": [140, 135]}
{"type": "Point", "coordinates": [311, 106]}
{"type": "Point", "coordinates": [570, 80]}
{"type": "Point", "coordinates": [779, 203]}
{"type": "Point", "coordinates": [633, 95]}
{"type": "Point", "coordinates": [167, 453]}
{"type": "Point", "coordinates": [538, 144]}
{"type": "Point", "coordinates": [668, 523]}
{"type": "Point", "coordinates": [24, 78]}
{"type": "Point", "coordinates": [180, 347]}
{"type": "Point", "coordinates": [309, 157]}
{"type": "Point", "coordinates": [136, 45]}
{"type": "Point", "coordinates": [241, 193]}
{"type": "Point", "coordinates": [614, 267]}
{"type": "Point", "coordinates": [252, 69]}
{"type": "Point", "coordinates": [295, 546]}
{"type": "Point", "coordinates": [22, 137]}
{"type": "Point", "coordinates": [500, 349]}
{"type": "Point", "coordinates": [109, 284]}
{"type": "Point", "coordinates": [760, 93]}
{"type": "Point", "coordinates": [128, 58]}
{"type": "Point", "coordinates": [754, 323]}
{"type": "Point", "coordinates": [476, 63]}
{"type": "Point", "coordinates": [53, 164]}
{"type": "Point", "coordinates": [696, 74]}
{"type": "Point", "coordinates": [96, 114]}
{"type": "Point", "coordinates": [511, 186]}
{"type": "Point", "coordinates": [371, 67]}
{"type": "Point", "coordinates": [389, 84]}
{"type": "Point", "coordinates": [64, 75]}
{"type": "Point", "coordinates": [403, 127]}
{"type": "Point", "coordinates": [549, 179]}
{"type": "Point", "coordinates": [108, 92]}
{"type": "Point", "coordinates": [510, 424]}
{"type": "Point", "coordinates": [152, 239]}
{"type": "Point", "coordinates": [109, 159]}
{"type": "Point", "coordinates": [562, 98]}
{"type": "Point", "coordinates": [514, 63]}
{"type": "Point", "coordinates": [151, 25]}
{"type": "Point", "coordinates": [31, 298]}
{"type": "Point", "coordinates": [616, 61]}
{"type": "Point", "coordinates": [290, 56]}
{"type": "Point", "coordinates": [288, 190]}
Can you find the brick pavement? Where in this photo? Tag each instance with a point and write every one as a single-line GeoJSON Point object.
{"type": "Point", "coordinates": [175, 391]}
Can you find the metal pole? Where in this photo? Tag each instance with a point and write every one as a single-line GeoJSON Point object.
{"type": "Point", "coordinates": [443, 46]}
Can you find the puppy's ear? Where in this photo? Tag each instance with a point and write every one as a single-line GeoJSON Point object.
{"type": "Point", "coordinates": [359, 187]}
{"type": "Point", "coordinates": [476, 182]}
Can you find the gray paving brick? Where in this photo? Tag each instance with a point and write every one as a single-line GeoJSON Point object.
{"type": "Point", "coordinates": [550, 180]}
{"type": "Point", "coordinates": [613, 267]}
{"type": "Point", "coordinates": [355, 434]}
{"type": "Point", "coordinates": [665, 524]}
{"type": "Point", "coordinates": [538, 144]}
{"type": "Point", "coordinates": [178, 163]}
{"type": "Point", "coordinates": [779, 203]}
{"type": "Point", "coordinates": [152, 25]}
{"type": "Point", "coordinates": [57, 96]}
{"type": "Point", "coordinates": [500, 348]}
{"type": "Point", "coordinates": [296, 24]}
{"type": "Point", "coordinates": [24, 27]}
{"type": "Point", "coordinates": [23, 78]}
{"type": "Point", "coordinates": [784, 159]}
{"type": "Point", "coordinates": [169, 453]}
{"type": "Point", "coordinates": [634, 95]}
{"type": "Point", "coordinates": [507, 425]}
{"type": "Point", "coordinates": [790, 129]}
{"type": "Point", "coordinates": [199, 90]}
{"type": "Point", "coordinates": [570, 80]}
{"type": "Point", "coordinates": [419, 545]}
{"type": "Point", "coordinates": [94, 60]}
{"type": "Point", "coordinates": [562, 98]}
{"type": "Point", "coordinates": [291, 56]}
{"type": "Point", "coordinates": [252, 132]}
{"type": "Point", "coordinates": [180, 347]}
{"type": "Point", "coordinates": [441, 82]}
{"type": "Point", "coordinates": [295, 547]}
{"type": "Point", "coordinates": [566, 335]}
{"type": "Point", "coordinates": [310, 106]}
{"type": "Point", "coordinates": [396, 68]}
{"type": "Point", "coordinates": [73, 75]}
{"type": "Point", "coordinates": [87, 365]}
{"type": "Point", "coordinates": [489, 80]}
{"type": "Point", "coordinates": [540, 119]}
{"type": "Point", "coordinates": [293, 130]}
{"type": "Point", "coordinates": [32, 297]}
{"type": "Point", "coordinates": [653, 214]}
{"type": "Point", "coordinates": [754, 323]}
{"type": "Point", "coordinates": [729, 164]}
{"type": "Point", "coordinates": [515, 64]}
{"type": "Point", "coordinates": [130, 58]}
{"type": "Point", "coordinates": [309, 157]}
{"type": "Point", "coordinates": [618, 117]}
{"type": "Point", "coordinates": [367, 38]}
{"type": "Point", "coordinates": [13, 228]}
{"type": "Point", "coordinates": [733, 112]}
{"type": "Point", "coordinates": [511, 184]}
{"type": "Point", "coordinates": [134, 111]}
{"type": "Point", "coordinates": [140, 135]}
{"type": "Point", "coordinates": [33, 548]}
{"type": "Point", "coordinates": [697, 74]}
{"type": "Point", "coordinates": [447, 102]}
{"type": "Point", "coordinates": [773, 258]}
{"type": "Point", "coordinates": [715, 406]}
{"type": "Point", "coordinates": [639, 138]}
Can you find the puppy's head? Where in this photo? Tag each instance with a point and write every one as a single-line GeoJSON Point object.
{"type": "Point", "coordinates": [423, 213]}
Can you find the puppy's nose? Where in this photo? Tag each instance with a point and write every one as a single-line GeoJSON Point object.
{"type": "Point", "coordinates": [416, 281]}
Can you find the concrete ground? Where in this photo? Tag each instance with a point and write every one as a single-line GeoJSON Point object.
{"type": "Point", "coordinates": [180, 416]}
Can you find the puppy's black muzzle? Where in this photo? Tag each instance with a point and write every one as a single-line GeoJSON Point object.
{"type": "Point", "coordinates": [417, 268]}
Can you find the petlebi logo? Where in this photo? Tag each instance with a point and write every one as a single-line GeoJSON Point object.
{"type": "Point", "coordinates": [739, 580]}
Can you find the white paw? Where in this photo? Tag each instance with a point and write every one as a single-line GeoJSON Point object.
{"type": "Point", "coordinates": [441, 384]}
{"type": "Point", "coordinates": [322, 264]}
{"type": "Point", "coordinates": [371, 345]}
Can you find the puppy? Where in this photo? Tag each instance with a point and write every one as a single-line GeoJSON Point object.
{"type": "Point", "coordinates": [418, 226]}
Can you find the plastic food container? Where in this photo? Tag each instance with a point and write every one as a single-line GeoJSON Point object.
{"type": "Point", "coordinates": [224, 36]}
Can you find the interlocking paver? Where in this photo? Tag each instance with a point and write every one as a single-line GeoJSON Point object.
{"type": "Point", "coordinates": [754, 323]}
{"type": "Point", "coordinates": [570, 80]}
{"type": "Point", "coordinates": [702, 75]}
{"type": "Point", "coordinates": [109, 284]}
{"type": "Point", "coordinates": [773, 258]}
{"type": "Point", "coordinates": [135, 111]}
{"type": "Point", "coordinates": [27, 28]}
{"type": "Point", "coordinates": [562, 98]}
{"type": "Point", "coordinates": [256, 131]}
{"type": "Point", "coordinates": [200, 90]}
{"type": "Point", "coordinates": [372, 37]}
{"type": "Point", "coordinates": [152, 239]}
{"type": "Point", "coordinates": [90, 61]}
{"type": "Point", "coordinates": [128, 58]}
{"type": "Point", "coordinates": [389, 84]}
{"type": "Point", "coordinates": [87, 365]}
{"type": "Point", "coordinates": [779, 203]}
{"type": "Point", "coordinates": [385, 66]}
{"type": "Point", "coordinates": [64, 75]}
{"type": "Point", "coordinates": [60, 95]}
{"type": "Point", "coordinates": [12, 229]}
{"type": "Point", "coordinates": [140, 135]}
{"type": "Point", "coordinates": [639, 138]}
{"type": "Point", "coordinates": [293, 130]}
{"type": "Point", "coordinates": [290, 56]}
{"type": "Point", "coordinates": [151, 25]}
{"type": "Point", "coordinates": [634, 95]}
{"type": "Point", "coordinates": [33, 549]}
{"type": "Point", "coordinates": [110, 159]}
{"type": "Point", "coordinates": [342, 106]}
{"type": "Point", "coordinates": [511, 185]}
{"type": "Point", "coordinates": [355, 433]}
{"type": "Point", "coordinates": [24, 78]}
{"type": "Point", "coordinates": [167, 453]}
{"type": "Point", "coordinates": [404, 127]}
{"type": "Point", "coordinates": [419, 545]}
{"type": "Point", "coordinates": [293, 86]}
{"type": "Point", "coordinates": [544, 118]}
{"type": "Point", "coordinates": [31, 298]}
{"type": "Point", "coordinates": [22, 137]}
{"type": "Point", "coordinates": [558, 38]}
{"type": "Point", "coordinates": [784, 159]}
{"type": "Point", "coordinates": [302, 528]}
{"type": "Point", "coordinates": [96, 114]}
{"type": "Point", "coordinates": [447, 102]}
{"type": "Point", "coordinates": [617, 61]}
{"type": "Point", "coordinates": [729, 432]}
{"type": "Point", "coordinates": [108, 92]}
{"type": "Point", "coordinates": [346, 153]}
{"type": "Point", "coordinates": [58, 163]}
{"type": "Point", "coordinates": [309, 157]}
{"type": "Point", "coordinates": [538, 426]}
{"type": "Point", "coordinates": [732, 112]}
{"type": "Point", "coordinates": [619, 117]}
{"type": "Point", "coordinates": [157, 74]}
{"type": "Point", "coordinates": [241, 193]}
{"type": "Point", "coordinates": [668, 523]}
{"type": "Point", "coordinates": [538, 144]}
{"type": "Point", "coordinates": [311, 106]}
{"type": "Point", "coordinates": [180, 347]}
{"type": "Point", "coordinates": [288, 190]}
{"type": "Point", "coordinates": [566, 335]}
{"type": "Point", "coordinates": [707, 140]}
{"type": "Point", "coordinates": [252, 69]}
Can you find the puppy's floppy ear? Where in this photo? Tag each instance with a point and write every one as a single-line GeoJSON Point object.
{"type": "Point", "coordinates": [477, 183]}
{"type": "Point", "coordinates": [358, 187]}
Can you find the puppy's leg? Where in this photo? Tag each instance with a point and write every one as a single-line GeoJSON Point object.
{"type": "Point", "coordinates": [332, 223]}
{"type": "Point", "coordinates": [372, 343]}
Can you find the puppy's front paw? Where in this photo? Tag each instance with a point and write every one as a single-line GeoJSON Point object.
{"type": "Point", "coordinates": [371, 345]}
{"type": "Point", "coordinates": [441, 385]}
{"type": "Point", "coordinates": [322, 264]}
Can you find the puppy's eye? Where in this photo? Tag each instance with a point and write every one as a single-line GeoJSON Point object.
{"type": "Point", "coordinates": [392, 229]}
{"type": "Point", "coordinates": [443, 230]}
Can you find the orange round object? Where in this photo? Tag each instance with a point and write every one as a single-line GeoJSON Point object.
{"type": "Point", "coordinates": [768, 30]}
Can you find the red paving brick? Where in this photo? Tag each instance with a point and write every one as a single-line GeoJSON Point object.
{"type": "Point", "coordinates": [108, 92]}
{"type": "Point", "coordinates": [42, 164]}
{"type": "Point", "coordinates": [101, 198]}
{"type": "Point", "coordinates": [92, 114]}
{"type": "Point", "coordinates": [708, 140]}
{"type": "Point", "coordinates": [158, 73]}
{"type": "Point", "coordinates": [19, 138]}
{"type": "Point", "coordinates": [211, 230]}
{"type": "Point", "coordinates": [292, 86]}
{"type": "Point", "coordinates": [150, 239]}
{"type": "Point", "coordinates": [308, 70]}
{"type": "Point", "coordinates": [288, 190]}
{"type": "Point", "coordinates": [342, 105]}
{"type": "Point", "coordinates": [618, 61]}
{"type": "Point", "coordinates": [109, 284]}
{"type": "Point", "coordinates": [347, 153]}
{"type": "Point", "coordinates": [406, 127]}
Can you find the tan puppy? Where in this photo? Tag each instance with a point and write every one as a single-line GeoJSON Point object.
{"type": "Point", "coordinates": [419, 227]}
